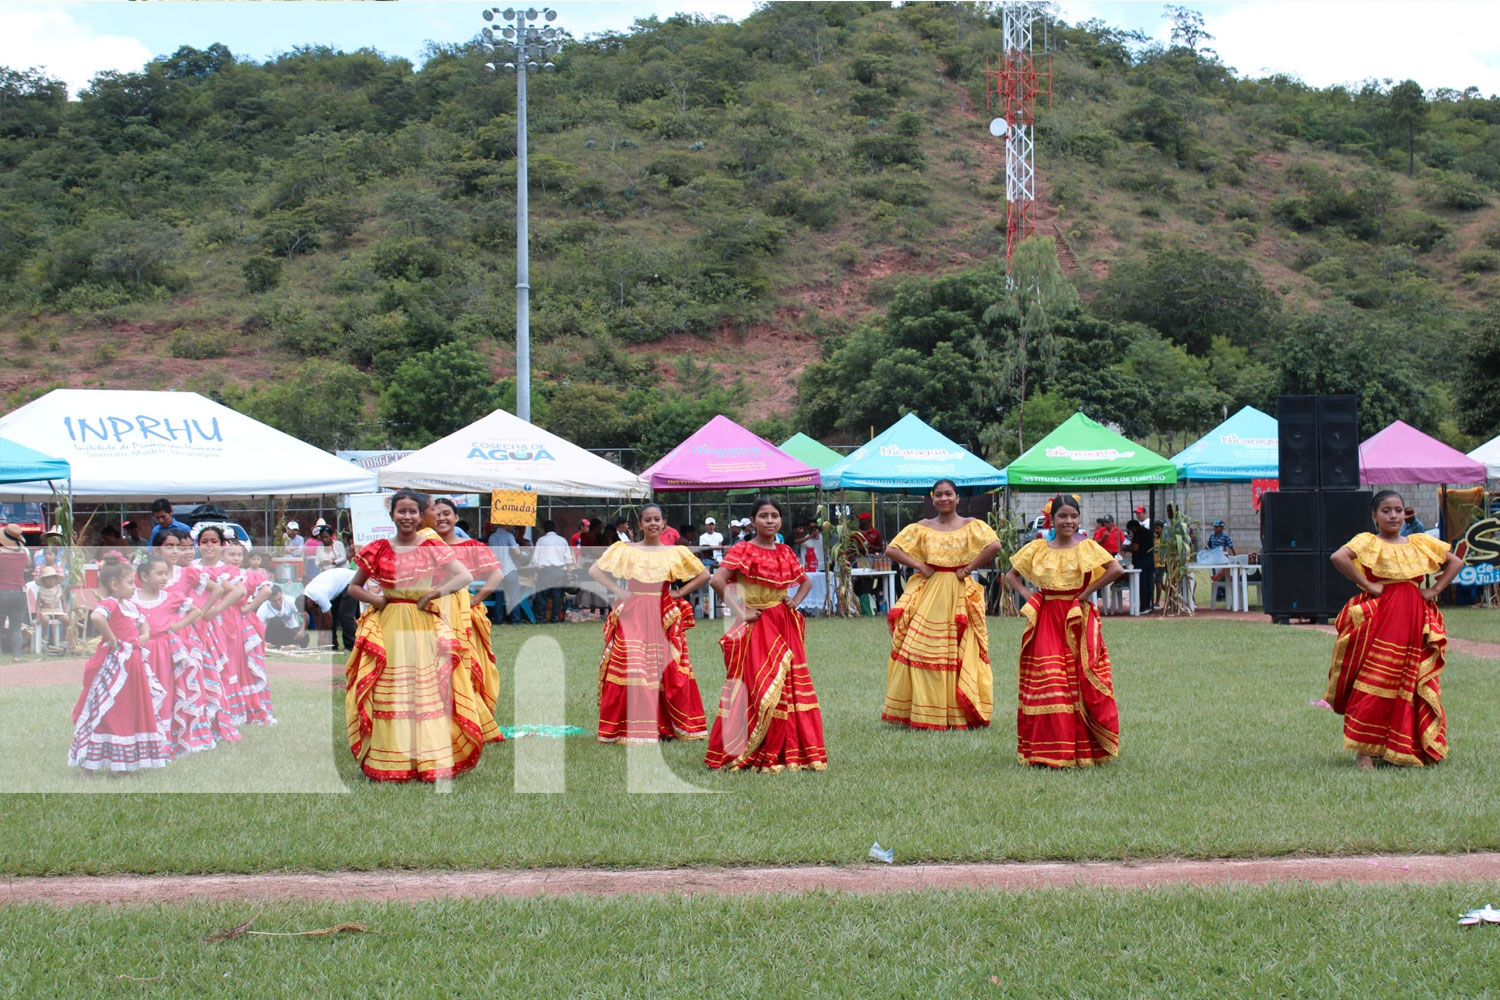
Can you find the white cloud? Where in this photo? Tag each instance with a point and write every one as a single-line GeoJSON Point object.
{"type": "Point", "coordinates": [48, 36]}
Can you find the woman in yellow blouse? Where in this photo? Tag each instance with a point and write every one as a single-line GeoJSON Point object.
{"type": "Point", "coordinates": [647, 691]}
{"type": "Point", "coordinates": [1389, 651]}
{"type": "Point", "coordinates": [1066, 715]}
{"type": "Point", "coordinates": [939, 674]}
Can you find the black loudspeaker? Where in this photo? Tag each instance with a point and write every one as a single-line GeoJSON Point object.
{"type": "Point", "coordinates": [1338, 443]}
{"type": "Point", "coordinates": [1297, 420]}
{"type": "Point", "coordinates": [1337, 588]}
{"type": "Point", "coordinates": [1345, 513]}
{"type": "Point", "coordinates": [1290, 522]}
{"type": "Point", "coordinates": [1293, 583]}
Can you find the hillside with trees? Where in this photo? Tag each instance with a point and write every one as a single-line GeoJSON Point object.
{"type": "Point", "coordinates": [796, 220]}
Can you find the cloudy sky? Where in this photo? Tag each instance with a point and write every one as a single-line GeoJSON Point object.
{"type": "Point", "coordinates": [1438, 43]}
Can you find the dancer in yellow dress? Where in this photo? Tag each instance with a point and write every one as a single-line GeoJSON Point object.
{"type": "Point", "coordinates": [939, 674]}
{"type": "Point", "coordinates": [468, 613]}
{"type": "Point", "coordinates": [410, 704]}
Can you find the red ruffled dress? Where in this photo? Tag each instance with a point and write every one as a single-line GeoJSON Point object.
{"type": "Point", "coordinates": [768, 712]}
{"type": "Point", "coordinates": [647, 690]}
{"type": "Point", "coordinates": [201, 693]}
{"type": "Point", "coordinates": [170, 657]}
{"type": "Point", "coordinates": [120, 722]}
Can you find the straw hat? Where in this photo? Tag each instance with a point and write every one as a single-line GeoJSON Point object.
{"type": "Point", "coordinates": [11, 536]}
{"type": "Point", "coordinates": [46, 571]}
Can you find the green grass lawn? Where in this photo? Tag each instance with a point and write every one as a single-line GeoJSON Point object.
{"type": "Point", "coordinates": [1294, 940]}
{"type": "Point", "coordinates": [1222, 756]}
{"type": "Point", "coordinates": [1479, 624]}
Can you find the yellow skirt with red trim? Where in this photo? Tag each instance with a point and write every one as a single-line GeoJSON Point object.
{"type": "Point", "coordinates": [1066, 714]}
{"type": "Point", "coordinates": [1385, 676]}
{"type": "Point", "coordinates": [647, 690]}
{"type": "Point", "coordinates": [768, 717]}
{"type": "Point", "coordinates": [939, 674]}
{"type": "Point", "coordinates": [410, 703]}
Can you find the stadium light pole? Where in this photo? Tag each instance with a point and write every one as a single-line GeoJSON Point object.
{"type": "Point", "coordinates": [534, 46]}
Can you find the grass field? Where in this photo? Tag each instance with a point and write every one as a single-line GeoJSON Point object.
{"type": "Point", "coordinates": [1479, 624]}
{"type": "Point", "coordinates": [1222, 756]}
{"type": "Point", "coordinates": [1280, 941]}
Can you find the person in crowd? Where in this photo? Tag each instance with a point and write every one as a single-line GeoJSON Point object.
{"type": "Point", "coordinates": [200, 702]}
{"type": "Point", "coordinates": [257, 590]}
{"type": "Point", "coordinates": [1100, 531]}
{"type": "Point", "coordinates": [118, 722]}
{"type": "Point", "coordinates": [1412, 524]}
{"type": "Point", "coordinates": [1066, 714]}
{"type": "Point", "coordinates": [51, 553]}
{"type": "Point", "coordinates": [505, 549]}
{"type": "Point", "coordinates": [874, 542]}
{"type": "Point", "coordinates": [1140, 515]}
{"type": "Point", "coordinates": [768, 718]}
{"type": "Point", "coordinates": [1159, 563]}
{"type": "Point", "coordinates": [712, 540]}
{"type": "Point", "coordinates": [294, 543]}
{"type": "Point", "coordinates": [110, 538]}
{"type": "Point", "coordinates": [461, 529]}
{"type": "Point", "coordinates": [1142, 549]}
{"type": "Point", "coordinates": [1114, 539]}
{"type": "Point", "coordinates": [576, 539]}
{"type": "Point", "coordinates": [551, 558]}
{"type": "Point", "coordinates": [468, 613]}
{"type": "Point", "coordinates": [328, 592]}
{"type": "Point", "coordinates": [813, 556]}
{"type": "Point", "coordinates": [647, 690]}
{"type": "Point", "coordinates": [331, 552]}
{"type": "Point", "coordinates": [51, 605]}
{"type": "Point", "coordinates": [622, 529]}
{"type": "Point", "coordinates": [132, 534]}
{"type": "Point", "coordinates": [15, 567]}
{"type": "Point", "coordinates": [285, 623]}
{"type": "Point", "coordinates": [1388, 657]}
{"type": "Point", "coordinates": [410, 705]}
{"type": "Point", "coordinates": [311, 547]}
{"type": "Point", "coordinates": [161, 516]}
{"type": "Point", "coordinates": [669, 534]}
{"type": "Point", "coordinates": [939, 675]}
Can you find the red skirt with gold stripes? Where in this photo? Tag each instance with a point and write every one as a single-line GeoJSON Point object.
{"type": "Point", "coordinates": [1066, 714]}
{"type": "Point", "coordinates": [647, 691]}
{"type": "Point", "coordinates": [768, 712]}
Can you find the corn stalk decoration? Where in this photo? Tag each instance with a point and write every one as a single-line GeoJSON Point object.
{"type": "Point", "coordinates": [840, 549]}
{"type": "Point", "coordinates": [1176, 550]}
{"type": "Point", "coordinates": [1008, 531]}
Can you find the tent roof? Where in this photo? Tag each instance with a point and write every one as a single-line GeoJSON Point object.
{"type": "Point", "coordinates": [722, 455]}
{"type": "Point", "coordinates": [813, 452]}
{"type": "Point", "coordinates": [503, 452]}
{"type": "Point", "coordinates": [1243, 447]}
{"type": "Point", "coordinates": [1488, 455]}
{"type": "Point", "coordinates": [910, 455]}
{"type": "Point", "coordinates": [19, 464]}
{"type": "Point", "coordinates": [1403, 454]}
{"type": "Point", "coordinates": [131, 444]}
{"type": "Point", "coordinates": [1082, 454]}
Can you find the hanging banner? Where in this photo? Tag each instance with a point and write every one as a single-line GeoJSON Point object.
{"type": "Point", "coordinates": [1259, 488]}
{"type": "Point", "coordinates": [1479, 550]}
{"type": "Point", "coordinates": [369, 518]}
{"type": "Point", "coordinates": [513, 507]}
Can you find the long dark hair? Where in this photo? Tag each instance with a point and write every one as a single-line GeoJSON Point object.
{"type": "Point", "coordinates": [941, 482]}
{"type": "Point", "coordinates": [1375, 500]}
{"type": "Point", "coordinates": [422, 500]}
{"type": "Point", "coordinates": [215, 529]}
{"type": "Point", "coordinates": [1065, 500]}
{"type": "Point", "coordinates": [444, 500]}
{"type": "Point", "coordinates": [766, 502]}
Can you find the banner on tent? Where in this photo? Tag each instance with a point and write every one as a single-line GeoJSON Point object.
{"type": "Point", "coordinates": [1259, 488]}
{"type": "Point", "coordinates": [369, 518]}
{"type": "Point", "coordinates": [372, 459]}
{"type": "Point", "coordinates": [513, 507]}
{"type": "Point", "coordinates": [1480, 551]}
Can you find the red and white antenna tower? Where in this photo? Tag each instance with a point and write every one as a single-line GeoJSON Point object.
{"type": "Point", "coordinates": [1014, 85]}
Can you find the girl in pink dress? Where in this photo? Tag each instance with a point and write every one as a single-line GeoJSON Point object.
{"type": "Point", "coordinates": [205, 694]}
{"type": "Point", "coordinates": [254, 685]}
{"type": "Point", "coordinates": [118, 721]}
{"type": "Point", "coordinates": [221, 623]}
{"type": "Point", "coordinates": [167, 613]}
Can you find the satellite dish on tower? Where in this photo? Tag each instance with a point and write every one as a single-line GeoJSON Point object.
{"type": "Point", "coordinates": [998, 127]}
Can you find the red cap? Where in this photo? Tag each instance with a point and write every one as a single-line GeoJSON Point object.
{"type": "Point", "coordinates": [864, 517]}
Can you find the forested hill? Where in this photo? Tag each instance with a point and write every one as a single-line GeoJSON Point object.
{"type": "Point", "coordinates": [796, 219]}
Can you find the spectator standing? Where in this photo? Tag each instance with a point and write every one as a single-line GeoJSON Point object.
{"type": "Point", "coordinates": [331, 553]}
{"type": "Point", "coordinates": [161, 513]}
{"type": "Point", "coordinates": [713, 540]}
{"type": "Point", "coordinates": [578, 539]}
{"type": "Point", "coordinates": [622, 530]}
{"type": "Point", "coordinates": [1221, 540]}
{"type": "Point", "coordinates": [51, 605]}
{"type": "Point", "coordinates": [295, 543]}
{"type": "Point", "coordinates": [551, 557]}
{"type": "Point", "coordinates": [15, 564]}
{"type": "Point", "coordinates": [1142, 549]}
{"type": "Point", "coordinates": [1412, 525]}
{"type": "Point", "coordinates": [502, 542]}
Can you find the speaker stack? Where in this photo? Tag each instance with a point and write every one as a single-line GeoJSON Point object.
{"type": "Point", "coordinates": [1318, 507]}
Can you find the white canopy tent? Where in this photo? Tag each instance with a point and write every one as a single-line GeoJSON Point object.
{"type": "Point", "coordinates": [1488, 455]}
{"type": "Point", "coordinates": [504, 452]}
{"type": "Point", "coordinates": [128, 444]}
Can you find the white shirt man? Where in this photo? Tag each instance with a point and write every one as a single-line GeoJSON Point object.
{"type": "Point", "coordinates": [711, 538]}
{"type": "Point", "coordinates": [551, 550]}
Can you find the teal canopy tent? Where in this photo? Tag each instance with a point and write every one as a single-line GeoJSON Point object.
{"type": "Point", "coordinates": [908, 457]}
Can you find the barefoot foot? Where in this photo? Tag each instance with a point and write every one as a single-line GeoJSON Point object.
{"type": "Point", "coordinates": [1364, 762]}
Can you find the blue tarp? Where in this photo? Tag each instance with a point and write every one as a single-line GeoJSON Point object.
{"type": "Point", "coordinates": [19, 464]}
{"type": "Point", "coordinates": [1244, 447]}
{"type": "Point", "coordinates": [908, 457]}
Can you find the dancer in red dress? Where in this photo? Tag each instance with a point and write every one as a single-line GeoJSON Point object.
{"type": "Point", "coordinates": [768, 715]}
{"type": "Point", "coordinates": [1066, 714]}
{"type": "Point", "coordinates": [119, 723]}
{"type": "Point", "coordinates": [647, 691]}
{"type": "Point", "coordinates": [244, 627]}
{"type": "Point", "coordinates": [198, 693]}
{"type": "Point", "coordinates": [1389, 653]}
{"type": "Point", "coordinates": [470, 617]}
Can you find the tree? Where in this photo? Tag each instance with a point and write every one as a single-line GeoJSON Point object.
{"type": "Point", "coordinates": [322, 403]}
{"type": "Point", "coordinates": [1191, 296]}
{"type": "Point", "coordinates": [1187, 27]}
{"type": "Point", "coordinates": [589, 415]}
{"type": "Point", "coordinates": [435, 393]}
{"type": "Point", "coordinates": [1479, 380]}
{"type": "Point", "coordinates": [1329, 354]}
{"type": "Point", "coordinates": [1406, 109]}
{"type": "Point", "coordinates": [1036, 296]}
{"type": "Point", "coordinates": [32, 104]}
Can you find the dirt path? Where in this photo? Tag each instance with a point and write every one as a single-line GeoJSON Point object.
{"type": "Point", "coordinates": [1473, 647]}
{"type": "Point", "coordinates": [397, 886]}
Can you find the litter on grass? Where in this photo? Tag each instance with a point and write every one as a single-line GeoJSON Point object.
{"type": "Point", "coordinates": [1318, 703]}
{"type": "Point", "coordinates": [556, 732]}
{"type": "Point", "coordinates": [886, 854]}
{"type": "Point", "coordinates": [1487, 915]}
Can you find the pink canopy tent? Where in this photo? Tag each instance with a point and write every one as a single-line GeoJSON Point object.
{"type": "Point", "coordinates": [1403, 454]}
{"type": "Point", "coordinates": [722, 455]}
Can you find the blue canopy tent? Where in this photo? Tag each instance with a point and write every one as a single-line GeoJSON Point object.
{"type": "Point", "coordinates": [908, 457]}
{"type": "Point", "coordinates": [1242, 448]}
{"type": "Point", "coordinates": [20, 464]}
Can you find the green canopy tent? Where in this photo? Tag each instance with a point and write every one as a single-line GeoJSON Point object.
{"type": "Point", "coordinates": [806, 450]}
{"type": "Point", "coordinates": [1085, 456]}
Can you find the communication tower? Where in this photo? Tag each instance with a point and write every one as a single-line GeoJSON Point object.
{"type": "Point", "coordinates": [1022, 73]}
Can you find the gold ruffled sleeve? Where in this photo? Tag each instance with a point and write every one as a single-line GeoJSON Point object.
{"type": "Point", "coordinates": [912, 541]}
{"type": "Point", "coordinates": [686, 566]}
{"type": "Point", "coordinates": [650, 564]}
{"type": "Point", "coordinates": [1419, 556]}
{"type": "Point", "coordinates": [1092, 557]}
{"type": "Point", "coordinates": [1062, 569]}
{"type": "Point", "coordinates": [1023, 561]}
{"type": "Point", "coordinates": [616, 560]}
